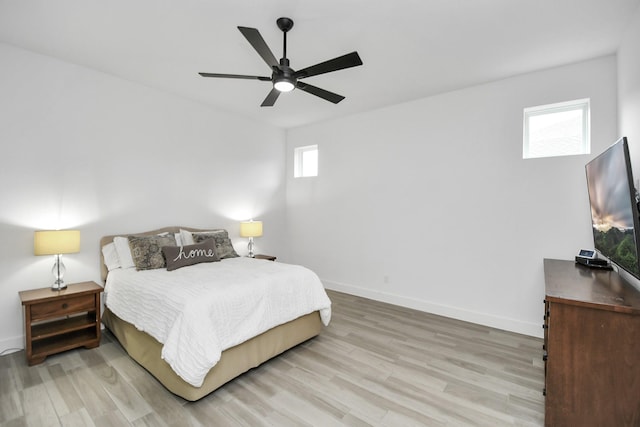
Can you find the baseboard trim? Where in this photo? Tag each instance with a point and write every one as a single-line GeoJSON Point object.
{"type": "Point", "coordinates": [11, 345]}
{"type": "Point", "coordinates": [503, 323]}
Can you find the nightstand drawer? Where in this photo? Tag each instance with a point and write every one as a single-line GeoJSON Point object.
{"type": "Point", "coordinates": [62, 307]}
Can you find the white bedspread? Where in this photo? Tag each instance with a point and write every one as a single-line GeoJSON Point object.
{"type": "Point", "coordinates": [196, 312]}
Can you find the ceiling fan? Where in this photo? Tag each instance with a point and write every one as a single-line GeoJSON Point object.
{"type": "Point", "coordinates": [285, 78]}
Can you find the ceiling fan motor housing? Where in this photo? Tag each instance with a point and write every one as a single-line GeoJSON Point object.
{"type": "Point", "coordinates": [283, 78]}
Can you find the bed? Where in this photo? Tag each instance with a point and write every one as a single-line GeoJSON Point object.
{"type": "Point", "coordinates": [161, 349]}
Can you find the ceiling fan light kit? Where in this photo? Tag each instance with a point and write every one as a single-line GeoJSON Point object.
{"type": "Point", "coordinates": [283, 77]}
{"type": "Point", "coordinates": [283, 84]}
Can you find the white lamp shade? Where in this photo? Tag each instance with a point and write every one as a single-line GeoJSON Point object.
{"type": "Point", "coordinates": [251, 229]}
{"type": "Point", "coordinates": [56, 242]}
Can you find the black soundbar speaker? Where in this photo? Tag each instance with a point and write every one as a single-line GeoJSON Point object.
{"type": "Point", "coordinates": [593, 262]}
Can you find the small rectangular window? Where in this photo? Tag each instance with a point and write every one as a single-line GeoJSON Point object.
{"type": "Point", "coordinates": [556, 130]}
{"type": "Point", "coordinates": [305, 161]}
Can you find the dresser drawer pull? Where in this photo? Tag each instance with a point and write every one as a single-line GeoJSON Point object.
{"type": "Point", "coordinates": [65, 305]}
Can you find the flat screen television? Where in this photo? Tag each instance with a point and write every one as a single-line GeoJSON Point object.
{"type": "Point", "coordinates": [614, 208]}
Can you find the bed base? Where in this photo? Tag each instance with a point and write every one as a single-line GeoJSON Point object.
{"type": "Point", "coordinates": [234, 361]}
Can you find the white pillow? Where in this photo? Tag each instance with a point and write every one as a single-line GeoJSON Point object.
{"type": "Point", "coordinates": [178, 238]}
{"type": "Point", "coordinates": [124, 252]}
{"type": "Point", "coordinates": [187, 237]}
{"type": "Point", "coordinates": [110, 256]}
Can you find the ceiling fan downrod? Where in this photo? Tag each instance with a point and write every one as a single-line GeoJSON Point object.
{"type": "Point", "coordinates": [285, 24]}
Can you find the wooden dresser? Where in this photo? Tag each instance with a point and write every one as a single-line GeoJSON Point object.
{"type": "Point", "coordinates": [591, 347]}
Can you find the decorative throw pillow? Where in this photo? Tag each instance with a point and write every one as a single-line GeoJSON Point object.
{"type": "Point", "coordinates": [146, 251]}
{"type": "Point", "coordinates": [182, 256]}
{"type": "Point", "coordinates": [224, 247]}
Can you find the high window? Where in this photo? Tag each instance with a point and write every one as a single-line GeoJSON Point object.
{"type": "Point", "coordinates": [305, 161]}
{"type": "Point", "coordinates": [556, 130]}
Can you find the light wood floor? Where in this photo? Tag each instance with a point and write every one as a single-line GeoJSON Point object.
{"type": "Point", "coordinates": [376, 364]}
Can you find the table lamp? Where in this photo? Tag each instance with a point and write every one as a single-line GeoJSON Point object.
{"type": "Point", "coordinates": [57, 242]}
{"type": "Point", "coordinates": [251, 229]}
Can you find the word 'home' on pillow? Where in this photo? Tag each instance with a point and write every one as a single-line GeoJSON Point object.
{"type": "Point", "coordinates": [182, 256]}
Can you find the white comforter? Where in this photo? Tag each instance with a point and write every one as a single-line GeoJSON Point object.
{"type": "Point", "coordinates": [201, 310]}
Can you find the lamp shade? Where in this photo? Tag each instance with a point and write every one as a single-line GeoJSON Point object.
{"type": "Point", "coordinates": [56, 242]}
{"type": "Point", "coordinates": [251, 229]}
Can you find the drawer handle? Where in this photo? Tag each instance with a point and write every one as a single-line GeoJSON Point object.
{"type": "Point", "coordinates": [65, 305]}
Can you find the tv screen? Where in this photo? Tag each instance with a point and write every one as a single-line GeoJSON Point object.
{"type": "Point", "coordinates": [614, 210]}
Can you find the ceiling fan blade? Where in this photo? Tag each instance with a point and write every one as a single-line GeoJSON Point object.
{"type": "Point", "coordinates": [324, 94]}
{"type": "Point", "coordinates": [258, 43]}
{"type": "Point", "coordinates": [271, 98]}
{"type": "Point", "coordinates": [345, 61]}
{"type": "Point", "coordinates": [236, 76]}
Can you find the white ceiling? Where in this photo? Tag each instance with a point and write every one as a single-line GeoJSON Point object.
{"type": "Point", "coordinates": [410, 48]}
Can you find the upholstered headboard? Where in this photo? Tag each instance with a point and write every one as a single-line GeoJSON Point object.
{"type": "Point", "coordinates": [108, 239]}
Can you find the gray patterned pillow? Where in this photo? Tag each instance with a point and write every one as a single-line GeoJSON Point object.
{"type": "Point", "coordinates": [146, 251]}
{"type": "Point", "coordinates": [224, 248]}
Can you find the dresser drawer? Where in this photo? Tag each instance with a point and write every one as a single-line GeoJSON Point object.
{"type": "Point", "coordinates": [62, 307]}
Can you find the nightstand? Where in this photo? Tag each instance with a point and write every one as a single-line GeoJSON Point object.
{"type": "Point", "coordinates": [57, 321]}
{"type": "Point", "coordinates": [267, 257]}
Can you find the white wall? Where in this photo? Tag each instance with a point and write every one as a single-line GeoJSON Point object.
{"type": "Point", "coordinates": [629, 89]}
{"type": "Point", "coordinates": [81, 149]}
{"type": "Point", "coordinates": [430, 205]}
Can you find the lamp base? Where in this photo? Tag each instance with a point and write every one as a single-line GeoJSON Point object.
{"type": "Point", "coordinates": [250, 247]}
{"type": "Point", "coordinates": [58, 271]}
{"type": "Point", "coordinates": [58, 285]}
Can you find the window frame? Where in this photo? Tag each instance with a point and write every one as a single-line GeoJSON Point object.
{"type": "Point", "coordinates": [583, 105]}
{"type": "Point", "coordinates": [298, 160]}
